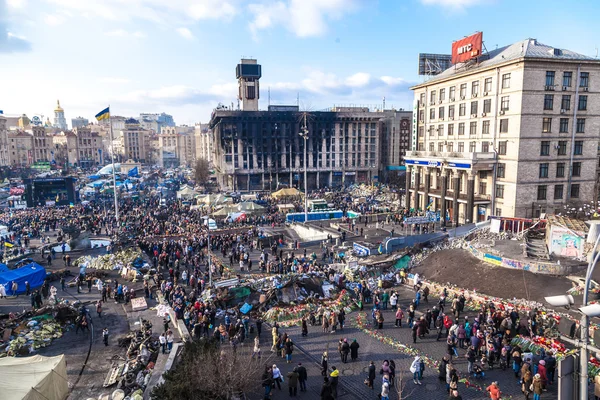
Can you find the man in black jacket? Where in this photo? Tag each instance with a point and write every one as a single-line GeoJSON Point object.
{"type": "Point", "coordinates": [302, 376]}
{"type": "Point", "coordinates": [326, 390]}
{"type": "Point", "coordinates": [372, 374]}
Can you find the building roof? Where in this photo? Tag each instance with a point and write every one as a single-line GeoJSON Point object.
{"type": "Point", "coordinates": [524, 49]}
{"type": "Point", "coordinates": [58, 107]}
{"type": "Point", "coordinates": [572, 224]}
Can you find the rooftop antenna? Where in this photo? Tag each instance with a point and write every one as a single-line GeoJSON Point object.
{"type": "Point", "coordinates": [269, 102]}
{"type": "Point", "coordinates": [383, 103]}
{"type": "Point", "coordinates": [298, 99]}
{"type": "Point", "coordinates": [596, 51]}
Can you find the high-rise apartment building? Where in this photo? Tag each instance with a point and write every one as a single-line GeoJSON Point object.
{"type": "Point", "coordinates": [513, 133]}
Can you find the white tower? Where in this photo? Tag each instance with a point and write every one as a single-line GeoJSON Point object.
{"type": "Point", "coordinates": [248, 73]}
{"type": "Point", "coordinates": [59, 117]}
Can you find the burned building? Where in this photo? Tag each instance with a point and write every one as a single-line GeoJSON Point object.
{"type": "Point", "coordinates": [261, 150]}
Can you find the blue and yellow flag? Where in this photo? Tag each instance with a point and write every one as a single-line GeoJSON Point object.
{"type": "Point", "coordinates": [104, 114]}
{"type": "Point", "coordinates": [9, 244]}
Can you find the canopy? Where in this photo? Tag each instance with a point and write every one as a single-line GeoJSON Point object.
{"type": "Point", "coordinates": [186, 193]}
{"type": "Point", "coordinates": [214, 199]}
{"type": "Point", "coordinates": [287, 192]}
{"type": "Point", "coordinates": [225, 211]}
{"type": "Point", "coordinates": [108, 170]}
{"type": "Point", "coordinates": [32, 273]}
{"type": "Point", "coordinates": [34, 378]}
{"type": "Point", "coordinates": [248, 206]}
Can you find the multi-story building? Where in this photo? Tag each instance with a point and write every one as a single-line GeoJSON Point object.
{"type": "Point", "coordinates": [155, 122]}
{"type": "Point", "coordinates": [257, 149]}
{"type": "Point", "coordinates": [176, 146]}
{"type": "Point", "coordinates": [60, 122]}
{"type": "Point", "coordinates": [90, 148]}
{"type": "Point", "coordinates": [65, 148]}
{"type": "Point", "coordinates": [203, 139]}
{"type": "Point", "coordinates": [42, 145]}
{"type": "Point", "coordinates": [135, 142]}
{"type": "Point", "coordinates": [4, 149]}
{"type": "Point", "coordinates": [395, 136]}
{"type": "Point", "coordinates": [21, 148]}
{"type": "Point", "coordinates": [187, 146]}
{"type": "Point", "coordinates": [513, 133]}
{"type": "Point", "coordinates": [79, 122]}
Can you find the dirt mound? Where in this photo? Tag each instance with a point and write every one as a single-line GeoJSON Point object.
{"type": "Point", "coordinates": [460, 268]}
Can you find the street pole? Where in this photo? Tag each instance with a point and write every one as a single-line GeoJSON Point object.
{"type": "Point", "coordinates": [112, 146]}
{"type": "Point", "coordinates": [305, 136]}
{"type": "Point", "coordinates": [583, 357]}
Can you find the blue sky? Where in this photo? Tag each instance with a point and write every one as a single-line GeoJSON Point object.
{"type": "Point", "coordinates": [179, 56]}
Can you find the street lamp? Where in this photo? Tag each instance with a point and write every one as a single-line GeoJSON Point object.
{"type": "Point", "coordinates": [586, 311]}
{"type": "Point", "coordinates": [304, 134]}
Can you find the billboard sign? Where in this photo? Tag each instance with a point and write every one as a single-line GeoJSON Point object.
{"type": "Point", "coordinates": [467, 48]}
{"type": "Point", "coordinates": [433, 64]}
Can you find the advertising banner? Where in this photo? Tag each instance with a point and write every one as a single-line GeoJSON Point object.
{"type": "Point", "coordinates": [467, 48]}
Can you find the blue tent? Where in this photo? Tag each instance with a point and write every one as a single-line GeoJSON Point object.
{"type": "Point", "coordinates": [32, 273]}
{"type": "Point", "coordinates": [3, 268]}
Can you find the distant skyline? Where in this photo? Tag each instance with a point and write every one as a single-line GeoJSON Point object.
{"type": "Point", "coordinates": [179, 56]}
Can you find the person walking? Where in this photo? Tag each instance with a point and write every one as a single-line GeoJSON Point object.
{"type": "Point", "coordinates": [371, 376]}
{"type": "Point", "coordinates": [399, 316]}
{"type": "Point", "coordinates": [105, 336]}
{"type": "Point", "coordinates": [289, 348]}
{"type": "Point", "coordinates": [326, 390]}
{"type": "Point", "coordinates": [170, 339]}
{"type": "Point", "coordinates": [415, 368]}
{"type": "Point", "coordinates": [277, 376]}
{"type": "Point", "coordinates": [494, 391]}
{"type": "Point", "coordinates": [345, 351]}
{"type": "Point", "coordinates": [293, 382]}
{"type": "Point", "coordinates": [334, 378]}
{"type": "Point", "coordinates": [162, 339]}
{"type": "Point", "coordinates": [302, 376]}
{"type": "Point", "coordinates": [385, 388]}
{"type": "Point", "coordinates": [354, 350]}
{"type": "Point", "coordinates": [256, 350]}
{"type": "Point", "coordinates": [538, 387]}
{"type": "Point", "coordinates": [99, 308]}
{"type": "Point", "coordinates": [324, 361]}
{"type": "Point", "coordinates": [267, 382]}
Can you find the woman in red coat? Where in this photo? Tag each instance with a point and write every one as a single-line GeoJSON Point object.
{"type": "Point", "coordinates": [542, 372]}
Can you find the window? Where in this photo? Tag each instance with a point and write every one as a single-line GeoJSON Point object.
{"type": "Point", "coordinates": [500, 191]}
{"type": "Point", "coordinates": [486, 128]}
{"type": "Point", "coordinates": [422, 99]}
{"type": "Point", "coordinates": [567, 77]}
{"type": "Point", "coordinates": [575, 191]}
{"type": "Point", "coordinates": [461, 147]}
{"type": "Point", "coordinates": [461, 128]}
{"type": "Point", "coordinates": [440, 130]}
{"type": "Point", "coordinates": [582, 103]}
{"type": "Point", "coordinates": [442, 94]}
{"type": "Point", "coordinates": [544, 170]}
{"type": "Point", "coordinates": [578, 150]}
{"type": "Point", "coordinates": [560, 170]}
{"type": "Point", "coordinates": [463, 90]}
{"type": "Point", "coordinates": [506, 81]}
{"type": "Point", "coordinates": [432, 97]}
{"type": "Point", "coordinates": [562, 147]}
{"type": "Point", "coordinates": [422, 115]}
{"type": "Point", "coordinates": [452, 93]}
{"type": "Point", "coordinates": [432, 113]}
{"type": "Point", "coordinates": [502, 147]}
{"type": "Point", "coordinates": [485, 147]}
{"type": "Point", "coordinates": [584, 79]}
{"type": "Point", "coordinates": [564, 125]}
{"type": "Point", "coordinates": [487, 106]}
{"type": "Point", "coordinates": [504, 103]}
{"type": "Point", "coordinates": [462, 109]}
{"type": "Point", "coordinates": [450, 129]}
{"type": "Point", "coordinates": [549, 78]}
{"type": "Point", "coordinates": [431, 129]}
{"type": "Point", "coordinates": [450, 111]}
{"type": "Point", "coordinates": [558, 192]}
{"type": "Point", "coordinates": [498, 212]}
{"type": "Point", "coordinates": [473, 128]}
{"type": "Point", "coordinates": [541, 193]}
{"type": "Point", "coordinates": [545, 148]}
{"type": "Point", "coordinates": [475, 88]}
{"type": "Point", "coordinates": [577, 168]}
{"type": "Point", "coordinates": [580, 125]}
{"type": "Point", "coordinates": [421, 131]}
{"type": "Point", "coordinates": [473, 108]}
{"type": "Point", "coordinates": [487, 85]}
{"type": "Point", "coordinates": [441, 113]}
{"type": "Point", "coordinates": [440, 147]}
{"type": "Point", "coordinates": [450, 147]}
{"type": "Point", "coordinates": [504, 125]}
{"type": "Point", "coordinates": [547, 125]}
{"type": "Point", "coordinates": [565, 104]}
{"type": "Point", "coordinates": [431, 146]}
{"type": "Point", "coordinates": [548, 102]}
{"type": "Point", "coordinates": [472, 147]}
{"type": "Point", "coordinates": [501, 170]}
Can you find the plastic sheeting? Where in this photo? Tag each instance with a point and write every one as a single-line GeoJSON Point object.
{"type": "Point", "coordinates": [32, 273]}
{"type": "Point", "coordinates": [34, 378]}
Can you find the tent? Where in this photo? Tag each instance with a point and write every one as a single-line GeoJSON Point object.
{"type": "Point", "coordinates": [213, 199]}
{"type": "Point", "coordinates": [32, 273]}
{"type": "Point", "coordinates": [108, 169]}
{"type": "Point", "coordinates": [3, 268]}
{"type": "Point", "coordinates": [186, 193]}
{"type": "Point", "coordinates": [225, 211]}
{"type": "Point", "coordinates": [34, 378]}
{"type": "Point", "coordinates": [250, 207]}
{"type": "Point", "coordinates": [288, 192]}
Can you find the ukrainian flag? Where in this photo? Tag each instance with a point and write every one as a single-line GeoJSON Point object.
{"type": "Point", "coordinates": [9, 244]}
{"type": "Point", "coordinates": [104, 114]}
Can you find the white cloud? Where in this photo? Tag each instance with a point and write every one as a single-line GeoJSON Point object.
{"type": "Point", "coordinates": [212, 9]}
{"type": "Point", "coordinates": [54, 20]}
{"type": "Point", "coordinates": [457, 4]}
{"type": "Point", "coordinates": [124, 33]}
{"type": "Point", "coordinates": [304, 18]}
{"type": "Point", "coordinates": [185, 33]}
{"type": "Point", "coordinates": [16, 3]}
{"type": "Point", "coordinates": [109, 79]}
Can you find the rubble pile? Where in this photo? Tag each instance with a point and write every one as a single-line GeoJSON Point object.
{"type": "Point", "coordinates": [115, 261]}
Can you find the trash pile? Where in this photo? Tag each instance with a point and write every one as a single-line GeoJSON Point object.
{"type": "Point", "coordinates": [25, 333]}
{"type": "Point", "coordinates": [114, 261]}
{"type": "Point", "coordinates": [133, 375]}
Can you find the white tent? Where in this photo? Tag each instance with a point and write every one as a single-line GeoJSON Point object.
{"type": "Point", "coordinates": [186, 193]}
{"type": "Point", "coordinates": [34, 378]}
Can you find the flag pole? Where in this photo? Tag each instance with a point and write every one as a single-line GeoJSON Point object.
{"type": "Point", "coordinates": [112, 153]}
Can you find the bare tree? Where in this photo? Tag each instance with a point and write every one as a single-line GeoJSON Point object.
{"type": "Point", "coordinates": [402, 389]}
{"type": "Point", "coordinates": [201, 171]}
